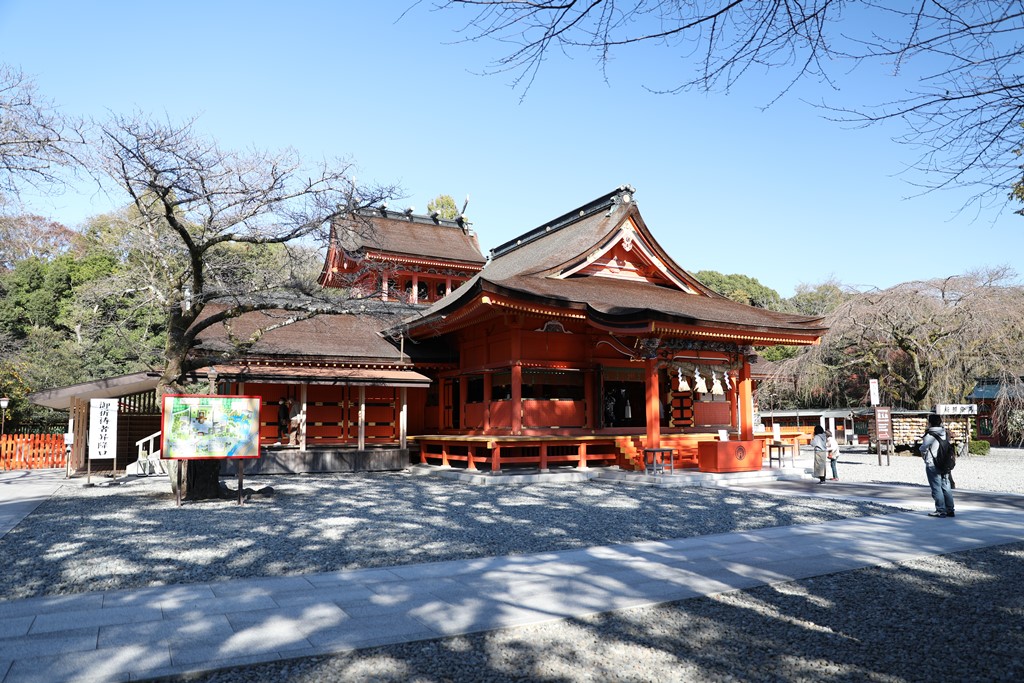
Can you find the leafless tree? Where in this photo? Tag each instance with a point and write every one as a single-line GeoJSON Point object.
{"type": "Point", "coordinates": [36, 140]}
{"type": "Point", "coordinates": [963, 106]}
{"type": "Point", "coordinates": [927, 342]}
{"type": "Point", "coordinates": [210, 234]}
{"type": "Point", "coordinates": [28, 236]}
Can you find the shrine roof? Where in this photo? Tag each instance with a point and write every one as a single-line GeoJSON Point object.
{"type": "Point", "coordinates": [549, 265]}
{"type": "Point", "coordinates": [414, 236]}
{"type": "Point", "coordinates": [336, 336]}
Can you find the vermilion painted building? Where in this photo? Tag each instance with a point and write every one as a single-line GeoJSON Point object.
{"type": "Point", "coordinates": [580, 342]}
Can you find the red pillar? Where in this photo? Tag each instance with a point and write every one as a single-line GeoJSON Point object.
{"type": "Point", "coordinates": [488, 385]}
{"type": "Point", "coordinates": [653, 406]}
{"type": "Point", "coordinates": [517, 383]}
{"type": "Point", "coordinates": [517, 399]}
{"type": "Point", "coordinates": [746, 403]}
{"type": "Point", "coordinates": [589, 400]}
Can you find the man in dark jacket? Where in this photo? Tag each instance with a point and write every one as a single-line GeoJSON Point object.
{"type": "Point", "coordinates": [282, 420]}
{"type": "Point", "coordinates": [939, 483]}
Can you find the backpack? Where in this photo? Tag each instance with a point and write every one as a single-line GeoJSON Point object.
{"type": "Point", "coordinates": [945, 457]}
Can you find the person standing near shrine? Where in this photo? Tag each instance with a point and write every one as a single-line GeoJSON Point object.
{"type": "Point", "coordinates": [820, 445]}
{"type": "Point", "coordinates": [833, 453]}
{"type": "Point", "coordinates": [942, 492]}
{"type": "Point", "coordinates": [294, 422]}
{"type": "Point", "coordinates": [282, 419]}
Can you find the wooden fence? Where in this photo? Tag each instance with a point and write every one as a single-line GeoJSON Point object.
{"type": "Point", "coordinates": [31, 451]}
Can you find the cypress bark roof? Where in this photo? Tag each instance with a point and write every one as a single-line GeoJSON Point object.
{"type": "Point", "coordinates": [569, 263]}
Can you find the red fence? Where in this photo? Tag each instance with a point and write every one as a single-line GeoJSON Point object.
{"type": "Point", "coordinates": [31, 451]}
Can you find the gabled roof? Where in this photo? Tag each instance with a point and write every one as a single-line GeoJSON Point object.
{"type": "Point", "coordinates": [406, 238]}
{"type": "Point", "coordinates": [602, 261]}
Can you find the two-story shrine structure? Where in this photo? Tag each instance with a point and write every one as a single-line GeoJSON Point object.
{"type": "Point", "coordinates": [579, 343]}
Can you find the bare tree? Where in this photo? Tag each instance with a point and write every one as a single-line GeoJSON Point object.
{"type": "Point", "coordinates": [927, 342]}
{"type": "Point", "coordinates": [963, 108]}
{"type": "Point", "coordinates": [36, 141]}
{"type": "Point", "coordinates": [30, 236]}
{"type": "Point", "coordinates": [201, 222]}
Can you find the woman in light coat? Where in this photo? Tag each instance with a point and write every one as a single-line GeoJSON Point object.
{"type": "Point", "coordinates": [820, 445]}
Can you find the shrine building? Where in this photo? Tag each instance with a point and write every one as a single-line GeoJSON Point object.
{"type": "Point", "coordinates": [580, 343]}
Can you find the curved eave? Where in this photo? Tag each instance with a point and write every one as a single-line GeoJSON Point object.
{"type": "Point", "coordinates": [420, 260]}
{"type": "Point", "coordinates": [484, 296]}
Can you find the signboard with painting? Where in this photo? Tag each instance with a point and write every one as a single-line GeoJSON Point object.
{"type": "Point", "coordinates": [210, 427]}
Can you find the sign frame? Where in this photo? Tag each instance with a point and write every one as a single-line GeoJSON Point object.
{"type": "Point", "coordinates": [210, 427]}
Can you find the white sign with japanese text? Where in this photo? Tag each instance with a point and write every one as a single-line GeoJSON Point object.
{"type": "Point", "coordinates": [102, 428]}
{"type": "Point", "coordinates": [873, 387]}
{"type": "Point", "coordinates": [956, 409]}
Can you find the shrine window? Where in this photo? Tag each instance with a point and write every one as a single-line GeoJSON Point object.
{"type": "Point", "coordinates": [423, 291]}
{"type": "Point", "coordinates": [441, 289]}
{"type": "Point", "coordinates": [501, 386]}
{"type": "Point", "coordinates": [475, 389]}
{"type": "Point", "coordinates": [553, 385]}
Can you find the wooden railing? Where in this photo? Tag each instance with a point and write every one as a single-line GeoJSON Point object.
{"type": "Point", "coordinates": [32, 451]}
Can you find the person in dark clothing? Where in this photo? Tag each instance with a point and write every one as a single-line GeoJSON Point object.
{"type": "Point", "coordinates": [282, 420]}
{"type": "Point", "coordinates": [942, 493]}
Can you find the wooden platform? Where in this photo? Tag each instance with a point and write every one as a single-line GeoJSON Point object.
{"type": "Point", "coordinates": [322, 459]}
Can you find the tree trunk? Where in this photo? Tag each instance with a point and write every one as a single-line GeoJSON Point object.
{"type": "Point", "coordinates": [202, 480]}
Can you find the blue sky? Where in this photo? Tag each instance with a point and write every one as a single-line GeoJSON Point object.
{"type": "Point", "coordinates": [781, 195]}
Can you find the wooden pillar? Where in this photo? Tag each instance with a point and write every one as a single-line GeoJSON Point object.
{"type": "Point", "coordinates": [496, 458]}
{"type": "Point", "coordinates": [734, 402]}
{"type": "Point", "coordinates": [488, 385]}
{"type": "Point", "coordinates": [346, 405]}
{"type": "Point", "coordinates": [746, 403]}
{"type": "Point", "coordinates": [517, 399]}
{"type": "Point", "coordinates": [415, 288]}
{"type": "Point", "coordinates": [589, 404]}
{"type": "Point", "coordinates": [444, 455]}
{"type": "Point", "coordinates": [517, 382]}
{"type": "Point", "coordinates": [302, 420]}
{"type": "Point", "coordinates": [653, 405]}
{"type": "Point", "coordinates": [403, 419]}
{"type": "Point", "coordinates": [362, 418]}
{"type": "Point", "coordinates": [463, 395]}
{"type": "Point", "coordinates": [581, 449]}
{"type": "Point", "coordinates": [470, 463]}
{"type": "Point", "coordinates": [544, 457]}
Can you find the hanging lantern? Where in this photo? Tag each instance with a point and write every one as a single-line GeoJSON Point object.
{"type": "Point", "coordinates": [699, 385]}
{"type": "Point", "coordinates": [683, 386]}
{"type": "Point", "coordinates": [716, 384]}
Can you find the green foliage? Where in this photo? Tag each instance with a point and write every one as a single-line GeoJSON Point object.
{"type": "Point", "coordinates": [741, 288]}
{"type": "Point", "coordinates": [65, 321]}
{"type": "Point", "coordinates": [778, 353]}
{"type": "Point", "coordinates": [978, 447]}
{"type": "Point", "coordinates": [445, 205]}
{"type": "Point", "coordinates": [819, 299]}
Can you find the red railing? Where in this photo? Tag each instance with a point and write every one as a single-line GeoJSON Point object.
{"type": "Point", "coordinates": [32, 451]}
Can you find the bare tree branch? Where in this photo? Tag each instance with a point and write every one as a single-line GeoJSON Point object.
{"type": "Point", "coordinates": [965, 97]}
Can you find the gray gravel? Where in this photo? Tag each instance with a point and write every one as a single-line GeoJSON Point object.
{"type": "Point", "coordinates": [901, 622]}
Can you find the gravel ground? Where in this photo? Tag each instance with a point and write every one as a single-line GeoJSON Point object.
{"type": "Point", "coordinates": [959, 617]}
